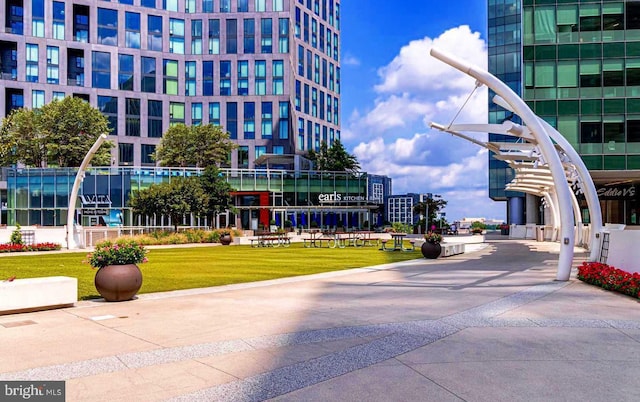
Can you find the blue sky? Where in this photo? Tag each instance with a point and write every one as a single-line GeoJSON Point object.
{"type": "Point", "coordinates": [392, 89]}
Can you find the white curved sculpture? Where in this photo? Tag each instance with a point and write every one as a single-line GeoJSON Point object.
{"type": "Point", "coordinates": [547, 149]}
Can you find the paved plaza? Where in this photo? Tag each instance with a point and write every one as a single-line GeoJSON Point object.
{"type": "Point", "coordinates": [488, 325]}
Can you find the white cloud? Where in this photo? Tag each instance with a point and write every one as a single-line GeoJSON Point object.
{"type": "Point", "coordinates": [393, 137]}
{"type": "Point", "coordinates": [415, 70]}
{"type": "Point", "coordinates": [350, 60]}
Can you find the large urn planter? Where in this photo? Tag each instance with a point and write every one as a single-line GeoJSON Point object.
{"type": "Point", "coordinates": [118, 282]}
{"type": "Point", "coordinates": [430, 250]}
{"type": "Point", "coordinates": [225, 240]}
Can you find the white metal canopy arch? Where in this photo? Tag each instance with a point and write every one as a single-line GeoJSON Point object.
{"type": "Point", "coordinates": [584, 181]}
{"type": "Point", "coordinates": [547, 151]}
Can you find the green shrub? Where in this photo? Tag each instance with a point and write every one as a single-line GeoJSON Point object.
{"type": "Point", "coordinates": [16, 235]}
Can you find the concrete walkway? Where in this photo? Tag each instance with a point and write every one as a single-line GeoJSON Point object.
{"type": "Point", "coordinates": [491, 325]}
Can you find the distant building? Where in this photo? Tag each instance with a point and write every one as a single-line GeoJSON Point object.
{"type": "Point", "coordinates": [399, 208]}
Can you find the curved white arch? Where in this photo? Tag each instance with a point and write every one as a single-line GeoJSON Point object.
{"type": "Point", "coordinates": [547, 149]}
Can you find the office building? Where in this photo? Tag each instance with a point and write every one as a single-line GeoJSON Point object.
{"type": "Point", "coordinates": [577, 65]}
{"type": "Point", "coordinates": [267, 71]}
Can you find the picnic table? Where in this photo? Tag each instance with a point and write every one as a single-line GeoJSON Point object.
{"type": "Point", "coordinates": [398, 243]}
{"type": "Point", "coordinates": [270, 239]}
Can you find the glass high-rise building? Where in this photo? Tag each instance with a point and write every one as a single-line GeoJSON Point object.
{"type": "Point", "coordinates": [577, 65]}
{"type": "Point", "coordinates": [266, 71]}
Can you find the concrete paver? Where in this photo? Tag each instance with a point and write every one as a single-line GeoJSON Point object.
{"type": "Point", "coordinates": [490, 325]}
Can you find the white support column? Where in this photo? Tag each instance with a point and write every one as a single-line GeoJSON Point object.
{"type": "Point", "coordinates": [547, 149]}
{"type": "Point", "coordinates": [72, 243]}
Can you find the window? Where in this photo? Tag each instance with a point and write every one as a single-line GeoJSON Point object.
{"type": "Point", "coordinates": [316, 69]}
{"type": "Point", "coordinates": [305, 101]}
{"type": "Point", "coordinates": [309, 65]}
{"type": "Point", "coordinates": [243, 6]}
{"type": "Point", "coordinates": [207, 78]}
{"type": "Point", "coordinates": [125, 154]}
{"type": "Point", "coordinates": [590, 18]}
{"type": "Point", "coordinates": [260, 150]}
{"type": "Point", "coordinates": [154, 120]}
{"type": "Point", "coordinates": [298, 25]}
{"type": "Point", "coordinates": [243, 77]}
{"type": "Point", "coordinates": [633, 71]}
{"type": "Point", "coordinates": [53, 62]}
{"type": "Point", "coordinates": [148, 83]}
{"type": "Point", "coordinates": [249, 120]}
{"type": "Point", "coordinates": [75, 67]}
{"type": "Point", "coordinates": [632, 14]}
{"type": "Point", "coordinates": [107, 27]}
{"type": "Point", "coordinates": [633, 128]}
{"type": "Point", "coordinates": [190, 6]}
{"type": "Point", "coordinates": [243, 157]}
{"type": "Point", "coordinates": [101, 70]}
{"type": "Point", "coordinates": [278, 77]}
{"type": "Point", "coordinates": [613, 73]}
{"type": "Point", "coordinates": [261, 5]}
{"type": "Point", "coordinates": [314, 102]}
{"type": "Point", "coordinates": [148, 3]}
{"type": "Point", "coordinates": [283, 35]}
{"type": "Point", "coordinates": [58, 95]}
{"type": "Point", "coordinates": [298, 95]}
{"type": "Point", "coordinates": [266, 39]}
{"type": "Point", "coordinates": [232, 120]}
{"type": "Point", "coordinates": [37, 18]}
{"type": "Point", "coordinates": [196, 114]}
{"type": "Point", "coordinates": [170, 5]}
{"type": "Point", "coordinates": [125, 72]}
{"type": "Point", "coordinates": [305, 27]}
{"type": "Point", "coordinates": [147, 154]}
{"type": "Point", "coordinates": [170, 71]}
{"type": "Point", "coordinates": [132, 30]}
{"type": "Point", "coordinates": [314, 33]}
{"type": "Point", "coordinates": [249, 36]}
{"type": "Point", "coordinates": [321, 35]}
{"type": "Point", "coordinates": [196, 37]}
{"type": "Point", "coordinates": [300, 134]}
{"type": "Point", "coordinates": [278, 149]}
{"type": "Point", "coordinates": [590, 75]}
{"type": "Point", "coordinates": [232, 36]}
{"type": "Point", "coordinates": [225, 78]}
{"type": "Point", "coordinates": [32, 62]}
{"type": "Point", "coordinates": [81, 23]}
{"type": "Point", "coordinates": [214, 36]}
{"type": "Point", "coordinates": [590, 132]}
{"type": "Point", "coordinates": [283, 123]}
{"type": "Point", "coordinates": [37, 99]}
{"type": "Point", "coordinates": [176, 36]}
{"type": "Point", "coordinates": [300, 60]}
{"type": "Point", "coordinates": [132, 110]}
{"type": "Point", "coordinates": [108, 106]}
{"type": "Point", "coordinates": [278, 5]}
{"type": "Point", "coordinates": [336, 111]}
{"type": "Point", "coordinates": [214, 113]}
{"type": "Point", "coordinates": [261, 77]}
{"type": "Point", "coordinates": [225, 6]}
{"type": "Point", "coordinates": [154, 37]}
{"type": "Point", "coordinates": [207, 6]}
{"type": "Point", "coordinates": [58, 20]}
{"type": "Point", "coordinates": [176, 113]}
{"type": "Point", "coordinates": [190, 78]}
{"type": "Point", "coordinates": [267, 120]}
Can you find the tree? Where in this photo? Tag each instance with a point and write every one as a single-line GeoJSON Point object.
{"type": "Point", "coordinates": [334, 158]}
{"type": "Point", "coordinates": [59, 134]}
{"type": "Point", "coordinates": [429, 208]}
{"type": "Point", "coordinates": [198, 146]}
{"type": "Point", "coordinates": [218, 190]}
{"type": "Point", "coordinates": [173, 199]}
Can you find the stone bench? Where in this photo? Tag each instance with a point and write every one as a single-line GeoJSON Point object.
{"type": "Point", "coordinates": [32, 294]}
{"type": "Point", "coordinates": [449, 249]}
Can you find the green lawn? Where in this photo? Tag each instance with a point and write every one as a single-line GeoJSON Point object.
{"type": "Point", "coordinates": [196, 267]}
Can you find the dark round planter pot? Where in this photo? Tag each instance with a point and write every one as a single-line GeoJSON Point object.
{"type": "Point", "coordinates": [225, 240]}
{"type": "Point", "coordinates": [431, 250]}
{"type": "Point", "coordinates": [118, 282]}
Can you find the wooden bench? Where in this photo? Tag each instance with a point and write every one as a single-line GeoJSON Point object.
{"type": "Point", "coordinates": [32, 294]}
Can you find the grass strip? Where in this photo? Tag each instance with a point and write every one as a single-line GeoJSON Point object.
{"type": "Point", "coordinates": [198, 267]}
